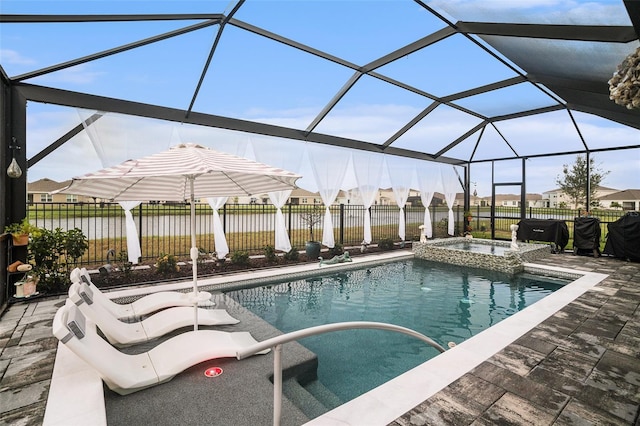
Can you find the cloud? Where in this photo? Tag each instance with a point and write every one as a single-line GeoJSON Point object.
{"type": "Point", "coordinates": [12, 57]}
{"type": "Point", "coordinates": [543, 11]}
{"type": "Point", "coordinates": [79, 75]}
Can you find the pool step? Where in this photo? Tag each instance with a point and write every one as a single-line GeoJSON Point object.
{"type": "Point", "coordinates": [312, 399]}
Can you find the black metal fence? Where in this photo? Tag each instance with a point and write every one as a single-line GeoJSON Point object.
{"type": "Point", "coordinates": [505, 216]}
{"type": "Point", "coordinates": [166, 229]}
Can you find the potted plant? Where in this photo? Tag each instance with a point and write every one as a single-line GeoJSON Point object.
{"type": "Point", "coordinates": [20, 231]}
{"type": "Point", "coordinates": [311, 218]}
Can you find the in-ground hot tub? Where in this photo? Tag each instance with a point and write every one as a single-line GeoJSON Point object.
{"type": "Point", "coordinates": [478, 253]}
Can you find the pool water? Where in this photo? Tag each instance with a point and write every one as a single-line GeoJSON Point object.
{"type": "Point", "coordinates": [444, 302]}
{"type": "Point", "coordinates": [479, 248]}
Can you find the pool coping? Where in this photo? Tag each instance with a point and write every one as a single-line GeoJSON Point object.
{"type": "Point", "coordinates": [381, 405]}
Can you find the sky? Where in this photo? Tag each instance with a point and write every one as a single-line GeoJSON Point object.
{"type": "Point", "coordinates": [257, 79]}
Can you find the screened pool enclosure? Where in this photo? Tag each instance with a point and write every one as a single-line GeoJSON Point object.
{"type": "Point", "coordinates": [435, 96]}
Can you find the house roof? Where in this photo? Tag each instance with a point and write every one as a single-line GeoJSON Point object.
{"type": "Point", "coordinates": [503, 197]}
{"type": "Point", "coordinates": [598, 188]}
{"type": "Point", "coordinates": [46, 185]}
{"type": "Point", "coordinates": [627, 194]}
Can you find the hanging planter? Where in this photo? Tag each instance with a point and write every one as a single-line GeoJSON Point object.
{"type": "Point", "coordinates": [624, 86]}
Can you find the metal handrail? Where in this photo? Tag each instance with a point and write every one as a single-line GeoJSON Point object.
{"type": "Point", "coordinates": [277, 342]}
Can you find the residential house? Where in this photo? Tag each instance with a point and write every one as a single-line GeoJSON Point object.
{"type": "Point", "coordinates": [39, 191]}
{"type": "Point", "coordinates": [298, 196]}
{"type": "Point", "coordinates": [416, 200]}
{"type": "Point", "coordinates": [556, 197]}
{"type": "Point", "coordinates": [386, 197]}
{"type": "Point", "coordinates": [502, 200]}
{"type": "Point", "coordinates": [628, 199]}
{"type": "Point", "coordinates": [301, 196]}
{"type": "Point", "coordinates": [513, 200]}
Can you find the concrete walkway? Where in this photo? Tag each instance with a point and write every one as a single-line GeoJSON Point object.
{"type": "Point", "coordinates": [26, 361]}
{"type": "Point", "coordinates": [580, 366]}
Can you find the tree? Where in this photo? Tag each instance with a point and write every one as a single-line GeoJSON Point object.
{"type": "Point", "coordinates": [573, 181]}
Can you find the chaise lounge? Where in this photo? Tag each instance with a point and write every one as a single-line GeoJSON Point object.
{"type": "Point", "coordinates": [120, 333]}
{"type": "Point", "coordinates": [124, 373]}
{"type": "Point", "coordinates": [148, 304]}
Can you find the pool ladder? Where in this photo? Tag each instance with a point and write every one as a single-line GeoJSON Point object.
{"type": "Point", "coordinates": [276, 343]}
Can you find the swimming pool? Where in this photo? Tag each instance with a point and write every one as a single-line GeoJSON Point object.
{"type": "Point", "coordinates": [445, 302]}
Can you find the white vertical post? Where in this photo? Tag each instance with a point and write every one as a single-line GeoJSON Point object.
{"type": "Point", "coordinates": [277, 384]}
{"type": "Point", "coordinates": [194, 255]}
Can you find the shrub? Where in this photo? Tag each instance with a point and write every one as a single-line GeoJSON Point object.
{"type": "Point", "coordinates": [52, 253]}
{"type": "Point", "coordinates": [336, 250]}
{"type": "Point", "coordinates": [292, 254]}
{"type": "Point", "coordinates": [167, 264]}
{"type": "Point", "coordinates": [385, 244]}
{"type": "Point", "coordinates": [270, 254]}
{"type": "Point", "coordinates": [240, 257]}
{"type": "Point", "coordinates": [123, 263]}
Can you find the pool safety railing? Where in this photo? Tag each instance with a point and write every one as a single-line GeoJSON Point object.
{"type": "Point", "coordinates": [276, 343]}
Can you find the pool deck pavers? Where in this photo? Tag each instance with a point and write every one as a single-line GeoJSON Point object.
{"type": "Point", "coordinates": [579, 366]}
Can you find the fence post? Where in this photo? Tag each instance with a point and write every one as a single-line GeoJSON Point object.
{"type": "Point", "coordinates": [289, 214]}
{"type": "Point", "coordinates": [224, 218]}
{"type": "Point", "coordinates": [342, 224]}
{"type": "Point", "coordinates": [140, 228]}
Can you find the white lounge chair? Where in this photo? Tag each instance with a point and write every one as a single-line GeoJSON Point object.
{"type": "Point", "coordinates": [120, 333]}
{"type": "Point", "coordinates": [148, 304]}
{"type": "Point", "coordinates": [124, 373]}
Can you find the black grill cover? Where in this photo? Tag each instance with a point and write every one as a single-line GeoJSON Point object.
{"type": "Point", "coordinates": [551, 230]}
{"type": "Point", "coordinates": [586, 233]}
{"type": "Point", "coordinates": [623, 238]}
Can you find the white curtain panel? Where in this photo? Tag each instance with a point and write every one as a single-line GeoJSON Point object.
{"type": "Point", "coordinates": [219, 239]}
{"type": "Point", "coordinates": [367, 167]}
{"type": "Point", "coordinates": [286, 155]}
{"type": "Point", "coordinates": [91, 130]}
{"type": "Point", "coordinates": [451, 186]}
{"type": "Point", "coordinates": [95, 132]}
{"type": "Point", "coordinates": [117, 137]}
{"type": "Point", "coordinates": [329, 167]}
{"type": "Point", "coordinates": [279, 198]}
{"type": "Point", "coordinates": [133, 245]}
{"type": "Point", "coordinates": [401, 172]}
{"type": "Point", "coordinates": [429, 182]}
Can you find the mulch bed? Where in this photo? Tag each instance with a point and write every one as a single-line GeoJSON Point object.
{"type": "Point", "coordinates": [205, 269]}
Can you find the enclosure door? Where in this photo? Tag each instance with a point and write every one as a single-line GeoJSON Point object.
{"type": "Point", "coordinates": [507, 207]}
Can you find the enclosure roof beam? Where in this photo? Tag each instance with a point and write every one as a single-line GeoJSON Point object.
{"type": "Point", "coordinates": [94, 102]}
{"type": "Point", "coordinates": [597, 33]}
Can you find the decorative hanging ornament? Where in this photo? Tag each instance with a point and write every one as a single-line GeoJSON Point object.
{"type": "Point", "coordinates": [14, 171]}
{"type": "Point", "coordinates": [624, 86]}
